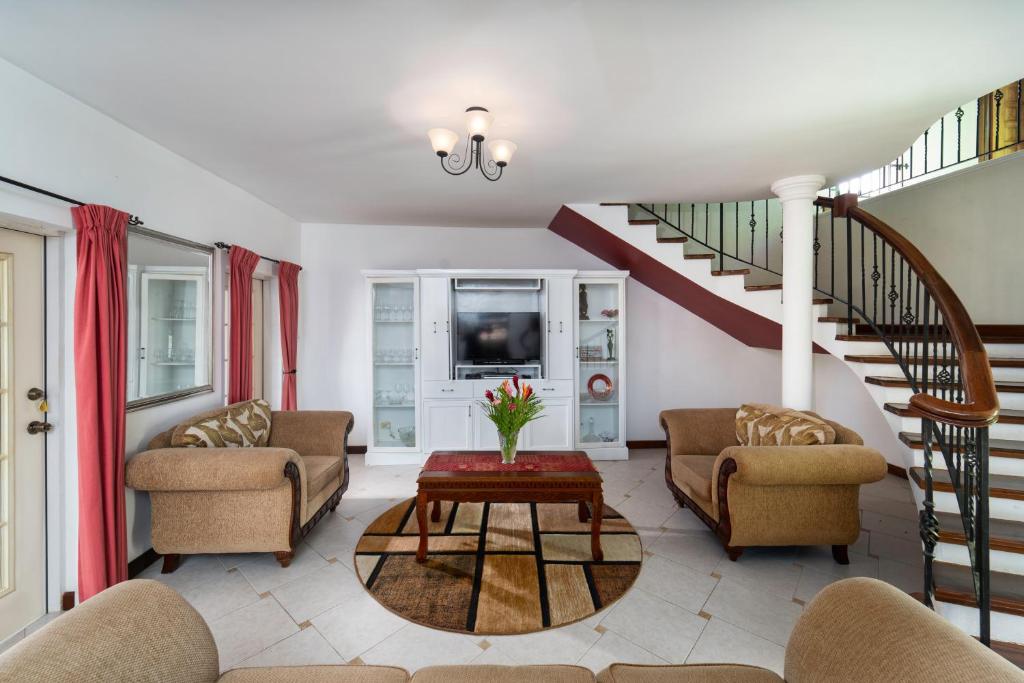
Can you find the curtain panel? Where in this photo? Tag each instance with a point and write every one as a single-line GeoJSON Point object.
{"type": "Point", "coordinates": [288, 288]}
{"type": "Point", "coordinates": [100, 341]}
{"type": "Point", "coordinates": [242, 266]}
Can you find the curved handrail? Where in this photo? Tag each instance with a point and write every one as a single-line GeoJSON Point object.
{"type": "Point", "coordinates": [982, 406]}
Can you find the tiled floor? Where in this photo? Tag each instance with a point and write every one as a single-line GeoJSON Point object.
{"type": "Point", "coordinates": [690, 604]}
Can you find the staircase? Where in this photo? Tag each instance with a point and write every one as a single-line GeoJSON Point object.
{"type": "Point", "coordinates": [898, 326]}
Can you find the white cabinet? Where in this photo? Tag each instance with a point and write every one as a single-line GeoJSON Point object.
{"type": "Point", "coordinates": [554, 429]}
{"type": "Point", "coordinates": [394, 362]}
{"type": "Point", "coordinates": [436, 342]}
{"type": "Point", "coordinates": [559, 328]}
{"type": "Point", "coordinates": [448, 425]}
{"type": "Point", "coordinates": [485, 434]}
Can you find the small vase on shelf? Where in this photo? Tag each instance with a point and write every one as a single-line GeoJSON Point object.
{"type": "Point", "coordinates": [508, 448]}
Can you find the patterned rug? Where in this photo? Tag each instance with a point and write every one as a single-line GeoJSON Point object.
{"type": "Point", "coordinates": [497, 568]}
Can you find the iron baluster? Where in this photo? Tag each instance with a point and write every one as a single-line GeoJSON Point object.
{"type": "Point", "coordinates": [926, 151]}
{"type": "Point", "coordinates": [998, 97]}
{"type": "Point", "coordinates": [942, 141]}
{"type": "Point", "coordinates": [981, 542]}
{"type": "Point", "coordinates": [753, 224]}
{"type": "Point", "coordinates": [928, 524]}
{"type": "Point", "coordinates": [721, 237]}
{"type": "Point", "coordinates": [849, 276]}
{"type": "Point", "coordinates": [959, 118]}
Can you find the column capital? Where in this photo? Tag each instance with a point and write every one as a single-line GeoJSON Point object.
{"type": "Point", "coordinates": [798, 187]}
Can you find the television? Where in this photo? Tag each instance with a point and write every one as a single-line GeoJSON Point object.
{"type": "Point", "coordinates": [498, 338]}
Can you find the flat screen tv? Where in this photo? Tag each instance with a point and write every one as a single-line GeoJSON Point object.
{"type": "Point", "coordinates": [498, 338]}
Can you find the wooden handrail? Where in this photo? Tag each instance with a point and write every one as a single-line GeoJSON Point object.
{"type": "Point", "coordinates": [982, 405]}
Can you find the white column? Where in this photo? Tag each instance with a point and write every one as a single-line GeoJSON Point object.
{"type": "Point", "coordinates": [797, 194]}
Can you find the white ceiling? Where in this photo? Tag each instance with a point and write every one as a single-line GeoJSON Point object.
{"type": "Point", "coordinates": [321, 108]}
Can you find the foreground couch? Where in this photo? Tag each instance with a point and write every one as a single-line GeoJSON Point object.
{"type": "Point", "coordinates": [243, 499]}
{"type": "Point", "coordinates": [854, 630]}
{"type": "Point", "coordinates": [768, 495]}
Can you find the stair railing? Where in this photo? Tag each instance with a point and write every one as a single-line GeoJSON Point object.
{"type": "Point", "coordinates": [887, 283]}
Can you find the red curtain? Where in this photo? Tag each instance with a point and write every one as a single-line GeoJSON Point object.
{"type": "Point", "coordinates": [288, 286]}
{"type": "Point", "coordinates": [100, 351]}
{"type": "Point", "coordinates": [243, 264]}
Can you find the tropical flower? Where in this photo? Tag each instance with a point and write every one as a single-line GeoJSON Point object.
{"type": "Point", "coordinates": [512, 406]}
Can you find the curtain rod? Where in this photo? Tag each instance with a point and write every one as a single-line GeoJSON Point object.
{"type": "Point", "coordinates": [225, 246]}
{"type": "Point", "coordinates": [132, 219]}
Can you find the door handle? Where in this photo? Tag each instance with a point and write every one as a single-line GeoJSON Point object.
{"type": "Point", "coordinates": [37, 427]}
{"type": "Point", "coordinates": [561, 327]}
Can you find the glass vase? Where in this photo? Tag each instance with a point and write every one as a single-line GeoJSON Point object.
{"type": "Point", "coordinates": [508, 445]}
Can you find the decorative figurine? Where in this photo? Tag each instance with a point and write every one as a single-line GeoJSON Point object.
{"type": "Point", "coordinates": [611, 344]}
{"type": "Point", "coordinates": [583, 303]}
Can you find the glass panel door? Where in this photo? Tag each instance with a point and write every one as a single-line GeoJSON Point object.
{"type": "Point", "coordinates": [394, 364]}
{"type": "Point", "coordinates": [598, 334]}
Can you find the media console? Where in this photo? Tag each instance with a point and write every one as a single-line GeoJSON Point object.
{"type": "Point", "coordinates": [440, 338]}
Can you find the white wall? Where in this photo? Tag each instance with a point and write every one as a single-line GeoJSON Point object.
{"type": "Point", "coordinates": [968, 224]}
{"type": "Point", "coordinates": [55, 142]}
{"type": "Point", "coordinates": [674, 358]}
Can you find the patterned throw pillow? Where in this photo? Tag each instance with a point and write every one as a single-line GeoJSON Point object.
{"type": "Point", "coordinates": [242, 425]}
{"type": "Point", "coordinates": [760, 424]}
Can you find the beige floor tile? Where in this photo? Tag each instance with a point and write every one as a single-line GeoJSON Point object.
{"type": "Point", "coordinates": [357, 625]}
{"type": "Point", "coordinates": [562, 645]}
{"type": "Point", "coordinates": [721, 642]}
{"type": "Point", "coordinates": [250, 630]}
{"type": "Point", "coordinates": [773, 570]}
{"type": "Point", "coordinates": [415, 647]}
{"type": "Point", "coordinates": [613, 648]}
{"type": "Point", "coordinates": [315, 593]}
{"type": "Point", "coordinates": [667, 630]}
{"type": "Point", "coordinates": [305, 648]}
{"type": "Point", "coordinates": [757, 612]}
{"type": "Point", "coordinates": [698, 549]}
{"type": "Point", "coordinates": [675, 583]}
{"type": "Point", "coordinates": [222, 594]}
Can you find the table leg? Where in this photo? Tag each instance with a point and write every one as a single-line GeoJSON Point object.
{"type": "Point", "coordinates": [595, 526]}
{"type": "Point", "coordinates": [584, 513]}
{"type": "Point", "coordinates": [435, 512]}
{"type": "Point", "coordinates": [421, 520]}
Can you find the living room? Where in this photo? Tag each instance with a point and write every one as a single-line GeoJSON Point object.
{"type": "Point", "coordinates": [575, 414]}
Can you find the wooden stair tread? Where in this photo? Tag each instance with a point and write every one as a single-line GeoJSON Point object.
{"type": "Point", "coordinates": [818, 301]}
{"type": "Point", "coordinates": [1004, 448]}
{"type": "Point", "coordinates": [904, 383]}
{"type": "Point", "coordinates": [672, 240]}
{"type": "Point", "coordinates": [1012, 652]}
{"type": "Point", "coordinates": [644, 221]}
{"type": "Point", "coordinates": [614, 203]}
{"type": "Point", "coordinates": [1000, 485]}
{"type": "Point", "coordinates": [838, 319]}
{"type": "Point", "coordinates": [1006, 415]}
{"type": "Point", "coordinates": [1004, 534]}
{"type": "Point", "coordinates": [990, 334]}
{"type": "Point", "coordinates": [734, 271]}
{"type": "Point", "coordinates": [889, 359]}
{"type": "Point", "coordinates": [872, 337]}
{"type": "Point", "coordinates": [954, 583]}
{"type": "Point", "coordinates": [699, 256]}
{"type": "Point", "coordinates": [763, 288]}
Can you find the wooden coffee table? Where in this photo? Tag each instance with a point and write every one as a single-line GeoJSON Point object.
{"type": "Point", "coordinates": [536, 477]}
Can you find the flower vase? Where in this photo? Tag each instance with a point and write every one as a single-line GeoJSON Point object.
{"type": "Point", "coordinates": [508, 448]}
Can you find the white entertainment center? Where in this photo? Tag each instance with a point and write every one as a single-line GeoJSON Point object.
{"type": "Point", "coordinates": [440, 338]}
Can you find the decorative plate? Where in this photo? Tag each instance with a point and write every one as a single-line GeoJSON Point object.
{"type": "Point", "coordinates": [600, 387]}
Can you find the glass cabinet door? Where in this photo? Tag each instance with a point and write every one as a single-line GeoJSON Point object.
{"type": "Point", "coordinates": [597, 323]}
{"type": "Point", "coordinates": [172, 353]}
{"type": "Point", "coordinates": [394, 364]}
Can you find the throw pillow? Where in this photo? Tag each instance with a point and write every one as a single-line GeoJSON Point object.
{"type": "Point", "coordinates": [759, 424]}
{"type": "Point", "coordinates": [243, 425]}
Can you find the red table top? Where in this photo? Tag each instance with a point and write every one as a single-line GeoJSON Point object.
{"type": "Point", "coordinates": [490, 461]}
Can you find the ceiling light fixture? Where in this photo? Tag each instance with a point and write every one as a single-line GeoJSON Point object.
{"type": "Point", "coordinates": [478, 122]}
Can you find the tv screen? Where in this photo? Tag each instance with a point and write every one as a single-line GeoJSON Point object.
{"type": "Point", "coordinates": [498, 337]}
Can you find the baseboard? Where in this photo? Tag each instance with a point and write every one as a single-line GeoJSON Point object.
{"type": "Point", "coordinates": [356, 450]}
{"type": "Point", "coordinates": [897, 471]}
{"type": "Point", "coordinates": [136, 566]}
{"type": "Point", "coordinates": [648, 443]}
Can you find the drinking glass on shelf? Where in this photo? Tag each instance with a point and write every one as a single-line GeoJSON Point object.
{"type": "Point", "coordinates": [408, 313]}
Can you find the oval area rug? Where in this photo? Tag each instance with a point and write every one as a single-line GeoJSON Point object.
{"type": "Point", "coordinates": [497, 568]}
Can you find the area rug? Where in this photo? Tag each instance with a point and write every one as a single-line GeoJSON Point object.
{"type": "Point", "coordinates": [497, 568]}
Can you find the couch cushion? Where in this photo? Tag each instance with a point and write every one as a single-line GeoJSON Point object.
{"type": "Point", "coordinates": [241, 424]}
{"type": "Point", "coordinates": [705, 673]}
{"type": "Point", "coordinates": [760, 424]}
{"type": "Point", "coordinates": [503, 674]}
{"type": "Point", "coordinates": [695, 472]}
{"type": "Point", "coordinates": [341, 673]}
{"type": "Point", "coordinates": [321, 470]}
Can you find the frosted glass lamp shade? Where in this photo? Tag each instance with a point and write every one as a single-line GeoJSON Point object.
{"type": "Point", "coordinates": [442, 140]}
{"type": "Point", "coordinates": [478, 122]}
{"type": "Point", "coordinates": [501, 151]}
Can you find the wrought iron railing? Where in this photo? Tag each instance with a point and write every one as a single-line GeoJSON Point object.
{"type": "Point", "coordinates": [890, 293]}
{"type": "Point", "coordinates": [983, 129]}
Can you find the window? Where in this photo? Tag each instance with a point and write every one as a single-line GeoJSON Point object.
{"type": "Point", "coordinates": [170, 331]}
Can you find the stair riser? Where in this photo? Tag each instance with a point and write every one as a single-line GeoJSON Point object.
{"type": "Point", "coordinates": [1007, 628]}
{"type": "Point", "coordinates": [877, 348]}
{"type": "Point", "coordinates": [1011, 432]}
{"type": "Point", "coordinates": [1009, 400]}
{"type": "Point", "coordinates": [1003, 508]}
{"type": "Point", "coordinates": [1000, 561]}
{"type": "Point", "coordinates": [1010, 466]}
{"type": "Point", "coordinates": [893, 370]}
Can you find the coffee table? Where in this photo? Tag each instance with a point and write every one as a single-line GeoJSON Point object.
{"type": "Point", "coordinates": [536, 477]}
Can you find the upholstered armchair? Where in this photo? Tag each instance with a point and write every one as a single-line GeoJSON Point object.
{"type": "Point", "coordinates": [767, 495]}
{"type": "Point", "coordinates": [244, 499]}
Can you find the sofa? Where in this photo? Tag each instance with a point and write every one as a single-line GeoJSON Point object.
{"type": "Point", "coordinates": [793, 495]}
{"type": "Point", "coordinates": [854, 630]}
{"type": "Point", "coordinates": [243, 499]}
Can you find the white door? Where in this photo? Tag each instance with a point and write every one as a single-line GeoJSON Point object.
{"type": "Point", "coordinates": [449, 425]}
{"type": "Point", "coordinates": [484, 432]}
{"type": "Point", "coordinates": [435, 329]}
{"type": "Point", "coordinates": [560, 328]}
{"type": "Point", "coordinates": [22, 471]}
{"type": "Point", "coordinates": [554, 428]}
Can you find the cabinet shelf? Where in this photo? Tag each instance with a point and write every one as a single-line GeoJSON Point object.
{"type": "Point", "coordinates": [392, 322]}
{"type": "Point", "coordinates": [179, 320]}
{"type": "Point", "coordinates": [612, 361]}
{"type": "Point", "coordinates": [393, 365]}
{"type": "Point", "coordinates": [587, 404]}
{"type": "Point", "coordinates": [604, 321]}
{"type": "Point", "coordinates": [182, 363]}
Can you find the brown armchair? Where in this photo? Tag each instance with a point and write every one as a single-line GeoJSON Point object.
{"type": "Point", "coordinates": [259, 499]}
{"type": "Point", "coordinates": [767, 495]}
